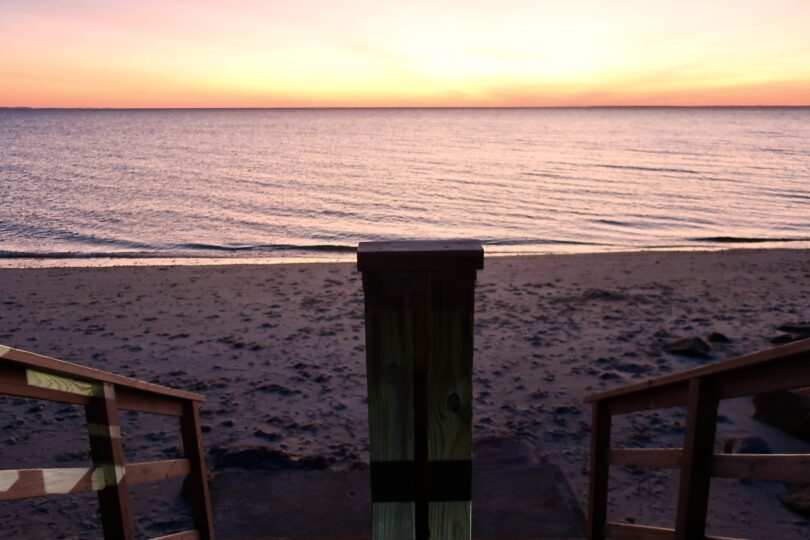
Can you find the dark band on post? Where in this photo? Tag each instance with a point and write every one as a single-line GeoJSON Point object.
{"type": "Point", "coordinates": [394, 481]}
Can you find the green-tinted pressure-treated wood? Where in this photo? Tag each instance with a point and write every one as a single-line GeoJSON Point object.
{"type": "Point", "coordinates": [419, 342]}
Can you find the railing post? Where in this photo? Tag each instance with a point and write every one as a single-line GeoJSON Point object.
{"type": "Point", "coordinates": [419, 347]}
{"type": "Point", "coordinates": [698, 450]}
{"type": "Point", "coordinates": [108, 455]}
{"type": "Point", "coordinates": [600, 468]}
{"type": "Point", "coordinates": [198, 477]}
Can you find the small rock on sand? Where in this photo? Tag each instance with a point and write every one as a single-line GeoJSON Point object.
{"type": "Point", "coordinates": [717, 337]}
{"type": "Point", "coordinates": [797, 499]}
{"type": "Point", "coordinates": [792, 332]}
{"type": "Point", "coordinates": [781, 339]}
{"type": "Point", "coordinates": [746, 445]}
{"type": "Point", "coordinates": [788, 410]}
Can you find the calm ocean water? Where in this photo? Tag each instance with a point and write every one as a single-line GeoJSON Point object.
{"type": "Point", "coordinates": [312, 183]}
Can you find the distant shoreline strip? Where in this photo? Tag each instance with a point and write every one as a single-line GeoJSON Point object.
{"type": "Point", "coordinates": [203, 251]}
{"type": "Point", "coordinates": [744, 240]}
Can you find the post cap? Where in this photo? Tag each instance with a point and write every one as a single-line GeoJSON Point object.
{"type": "Point", "coordinates": [409, 255]}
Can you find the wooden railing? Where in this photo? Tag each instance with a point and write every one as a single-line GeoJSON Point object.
{"type": "Point", "coordinates": [700, 390]}
{"type": "Point", "coordinates": [103, 394]}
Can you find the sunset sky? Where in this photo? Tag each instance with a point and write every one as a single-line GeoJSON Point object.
{"type": "Point", "coordinates": [252, 53]}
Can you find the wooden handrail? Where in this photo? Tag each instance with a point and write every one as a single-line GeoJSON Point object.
{"type": "Point", "coordinates": [68, 369]}
{"type": "Point", "coordinates": [103, 394]}
{"type": "Point", "coordinates": [700, 390]}
{"type": "Point", "coordinates": [27, 483]}
{"type": "Point", "coordinates": [773, 467]}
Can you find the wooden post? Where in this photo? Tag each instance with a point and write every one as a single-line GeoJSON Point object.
{"type": "Point", "coordinates": [600, 468]}
{"type": "Point", "coordinates": [419, 303]}
{"type": "Point", "coordinates": [698, 450]}
{"type": "Point", "coordinates": [198, 477]}
{"type": "Point", "coordinates": [108, 455]}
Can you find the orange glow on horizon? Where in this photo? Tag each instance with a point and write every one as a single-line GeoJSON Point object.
{"type": "Point", "coordinates": [182, 53]}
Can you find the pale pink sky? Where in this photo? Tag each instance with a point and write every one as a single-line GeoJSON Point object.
{"type": "Point", "coordinates": [251, 53]}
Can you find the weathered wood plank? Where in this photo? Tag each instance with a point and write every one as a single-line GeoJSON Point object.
{"type": "Point", "coordinates": [773, 467]}
{"type": "Point", "coordinates": [650, 399]}
{"type": "Point", "coordinates": [449, 397]}
{"type": "Point", "coordinates": [108, 455]}
{"type": "Point", "coordinates": [600, 469]}
{"type": "Point", "coordinates": [696, 464]}
{"type": "Point", "coordinates": [17, 380]}
{"type": "Point", "coordinates": [664, 458]}
{"type": "Point", "coordinates": [450, 353]}
{"type": "Point", "coordinates": [23, 390]}
{"type": "Point", "coordinates": [68, 369]}
{"type": "Point", "coordinates": [419, 255]}
{"type": "Point", "coordinates": [198, 476]}
{"type": "Point", "coordinates": [154, 471]}
{"type": "Point", "coordinates": [451, 519]}
{"type": "Point", "coordinates": [130, 399]}
{"type": "Point", "coordinates": [784, 375]}
{"type": "Point", "coordinates": [782, 367]}
{"type": "Point", "coordinates": [28, 375]}
{"type": "Point", "coordinates": [60, 383]}
{"type": "Point", "coordinates": [11, 373]}
{"type": "Point", "coordinates": [419, 328]}
{"type": "Point", "coordinates": [24, 483]}
{"type": "Point", "coordinates": [389, 368]}
{"type": "Point", "coordinates": [14, 381]}
{"type": "Point", "coordinates": [394, 520]}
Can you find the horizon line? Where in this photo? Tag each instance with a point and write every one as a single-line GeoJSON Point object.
{"type": "Point", "coordinates": [394, 107]}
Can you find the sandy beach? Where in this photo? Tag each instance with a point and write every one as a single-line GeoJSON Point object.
{"type": "Point", "coordinates": [278, 351]}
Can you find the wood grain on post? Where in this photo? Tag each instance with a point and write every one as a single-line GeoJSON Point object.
{"type": "Point", "coordinates": [419, 346]}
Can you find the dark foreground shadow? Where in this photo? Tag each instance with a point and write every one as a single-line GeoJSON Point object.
{"type": "Point", "coordinates": [516, 496]}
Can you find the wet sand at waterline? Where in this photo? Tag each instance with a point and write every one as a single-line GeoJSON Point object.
{"type": "Point", "coordinates": [278, 351]}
